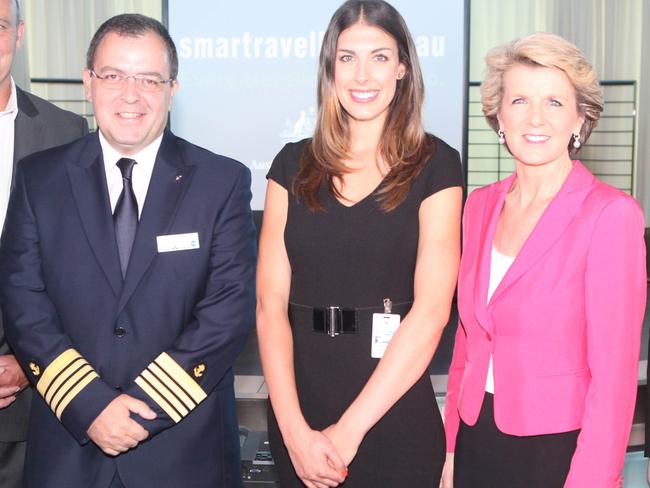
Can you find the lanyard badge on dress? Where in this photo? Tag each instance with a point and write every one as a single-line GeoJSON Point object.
{"type": "Point", "coordinates": [384, 326]}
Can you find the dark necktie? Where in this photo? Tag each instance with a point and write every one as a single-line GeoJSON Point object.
{"type": "Point", "coordinates": [125, 216]}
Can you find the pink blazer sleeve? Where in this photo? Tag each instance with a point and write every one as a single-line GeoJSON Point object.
{"type": "Point", "coordinates": [452, 419]}
{"type": "Point", "coordinates": [615, 288]}
{"type": "Point", "coordinates": [457, 367]}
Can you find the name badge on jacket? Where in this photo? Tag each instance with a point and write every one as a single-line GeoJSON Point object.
{"type": "Point", "coordinates": [178, 242]}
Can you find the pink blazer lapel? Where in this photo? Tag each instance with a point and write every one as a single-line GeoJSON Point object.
{"type": "Point", "coordinates": [491, 210]}
{"type": "Point", "coordinates": [550, 227]}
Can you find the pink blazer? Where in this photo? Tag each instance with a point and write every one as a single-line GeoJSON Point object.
{"type": "Point", "coordinates": [563, 326]}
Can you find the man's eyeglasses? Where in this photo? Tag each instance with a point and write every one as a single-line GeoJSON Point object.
{"type": "Point", "coordinates": [149, 83]}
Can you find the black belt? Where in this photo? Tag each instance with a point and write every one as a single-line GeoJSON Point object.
{"type": "Point", "coordinates": [335, 320]}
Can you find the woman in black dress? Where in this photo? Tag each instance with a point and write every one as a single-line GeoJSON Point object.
{"type": "Point", "coordinates": [362, 219]}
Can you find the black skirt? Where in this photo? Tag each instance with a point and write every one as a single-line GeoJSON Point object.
{"type": "Point", "coordinates": [487, 458]}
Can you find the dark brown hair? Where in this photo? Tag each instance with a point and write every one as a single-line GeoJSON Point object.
{"type": "Point", "coordinates": [404, 146]}
{"type": "Point", "coordinates": [133, 25]}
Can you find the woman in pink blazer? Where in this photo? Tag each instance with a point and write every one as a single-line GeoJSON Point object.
{"type": "Point", "coordinates": [551, 292]}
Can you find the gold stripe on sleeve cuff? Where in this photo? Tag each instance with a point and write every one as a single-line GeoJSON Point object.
{"type": "Point", "coordinates": [160, 387]}
{"type": "Point", "coordinates": [155, 370]}
{"type": "Point", "coordinates": [63, 379]}
{"type": "Point", "coordinates": [55, 395]}
{"type": "Point", "coordinates": [178, 374]}
{"type": "Point", "coordinates": [149, 390]}
{"type": "Point", "coordinates": [53, 371]}
{"type": "Point", "coordinates": [83, 382]}
{"type": "Point", "coordinates": [167, 383]}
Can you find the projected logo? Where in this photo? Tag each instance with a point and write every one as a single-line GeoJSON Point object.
{"type": "Point", "coordinates": [301, 127]}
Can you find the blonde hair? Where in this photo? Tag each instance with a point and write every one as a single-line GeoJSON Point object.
{"type": "Point", "coordinates": [549, 51]}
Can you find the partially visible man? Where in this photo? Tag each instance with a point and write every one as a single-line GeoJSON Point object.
{"type": "Point", "coordinates": [127, 270]}
{"type": "Point", "coordinates": [27, 124]}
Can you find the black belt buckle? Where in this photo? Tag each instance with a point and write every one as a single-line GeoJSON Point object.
{"type": "Point", "coordinates": [334, 320]}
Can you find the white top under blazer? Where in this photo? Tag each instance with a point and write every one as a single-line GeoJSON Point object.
{"type": "Point", "coordinates": [499, 265]}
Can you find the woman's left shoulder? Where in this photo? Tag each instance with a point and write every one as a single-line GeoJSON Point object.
{"type": "Point", "coordinates": [442, 153]}
{"type": "Point", "coordinates": [608, 207]}
{"type": "Point", "coordinates": [443, 169]}
{"type": "Point", "coordinates": [604, 196]}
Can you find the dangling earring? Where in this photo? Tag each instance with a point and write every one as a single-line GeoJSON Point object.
{"type": "Point", "coordinates": [502, 137]}
{"type": "Point", "coordinates": [576, 141]}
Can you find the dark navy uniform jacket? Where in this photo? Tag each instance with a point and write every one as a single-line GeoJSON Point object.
{"type": "Point", "coordinates": [167, 334]}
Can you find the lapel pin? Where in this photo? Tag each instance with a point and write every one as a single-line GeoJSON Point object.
{"type": "Point", "coordinates": [179, 177]}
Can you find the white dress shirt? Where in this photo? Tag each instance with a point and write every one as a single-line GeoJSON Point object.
{"type": "Point", "coordinates": [140, 176]}
{"type": "Point", "coordinates": [7, 132]}
{"type": "Point", "coordinates": [499, 265]}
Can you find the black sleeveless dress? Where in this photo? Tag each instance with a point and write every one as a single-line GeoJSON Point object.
{"type": "Point", "coordinates": [354, 257]}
